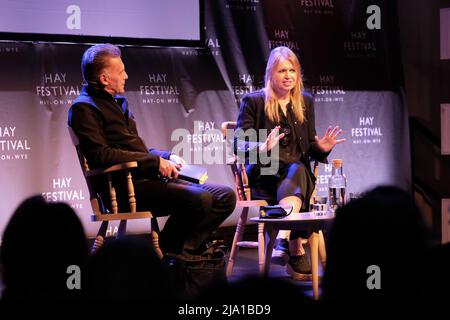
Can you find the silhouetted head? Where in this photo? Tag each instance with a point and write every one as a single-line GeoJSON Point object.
{"type": "Point", "coordinates": [377, 240]}
{"type": "Point", "coordinates": [40, 242]}
{"type": "Point", "coordinates": [128, 268]}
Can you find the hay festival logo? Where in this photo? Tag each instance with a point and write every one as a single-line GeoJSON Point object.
{"type": "Point", "coordinates": [55, 89]}
{"type": "Point", "coordinates": [159, 90]}
{"type": "Point", "coordinates": [317, 7]}
{"type": "Point", "coordinates": [11, 146]}
{"type": "Point", "coordinates": [62, 190]}
{"type": "Point", "coordinates": [367, 132]}
{"type": "Point", "coordinates": [282, 37]}
{"type": "Point", "coordinates": [328, 90]}
{"type": "Point", "coordinates": [242, 5]}
{"type": "Point", "coordinates": [245, 83]}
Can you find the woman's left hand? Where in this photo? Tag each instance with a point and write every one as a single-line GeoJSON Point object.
{"type": "Point", "coordinates": [327, 143]}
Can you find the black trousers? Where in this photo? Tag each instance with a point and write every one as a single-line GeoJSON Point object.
{"type": "Point", "coordinates": [194, 210]}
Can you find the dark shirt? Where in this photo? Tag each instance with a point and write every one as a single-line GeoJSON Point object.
{"type": "Point", "coordinates": [107, 132]}
{"type": "Point", "coordinates": [289, 149]}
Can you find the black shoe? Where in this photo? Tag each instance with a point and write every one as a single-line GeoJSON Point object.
{"type": "Point", "coordinates": [280, 253]}
{"type": "Point", "coordinates": [216, 249]}
{"type": "Point", "coordinates": [211, 249]}
{"type": "Point", "coordinates": [299, 268]}
{"type": "Point", "coordinates": [210, 244]}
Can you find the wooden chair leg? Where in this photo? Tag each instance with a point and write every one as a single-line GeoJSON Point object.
{"type": "Point", "coordinates": [131, 202]}
{"type": "Point", "coordinates": [270, 235]}
{"type": "Point", "coordinates": [240, 227]}
{"type": "Point", "coordinates": [314, 247]}
{"type": "Point", "coordinates": [122, 229]}
{"type": "Point", "coordinates": [261, 247]}
{"type": "Point", "coordinates": [155, 237]}
{"type": "Point", "coordinates": [131, 195]}
{"type": "Point", "coordinates": [322, 250]}
{"type": "Point", "coordinates": [100, 239]}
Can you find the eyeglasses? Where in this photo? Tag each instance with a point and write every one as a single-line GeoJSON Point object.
{"type": "Point", "coordinates": [287, 131]}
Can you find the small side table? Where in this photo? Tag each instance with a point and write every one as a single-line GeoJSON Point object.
{"type": "Point", "coordinates": [296, 221]}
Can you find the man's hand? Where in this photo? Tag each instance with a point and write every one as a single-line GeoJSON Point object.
{"type": "Point", "coordinates": [179, 161]}
{"type": "Point", "coordinates": [168, 169]}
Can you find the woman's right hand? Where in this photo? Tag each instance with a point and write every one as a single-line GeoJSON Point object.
{"type": "Point", "coordinates": [272, 140]}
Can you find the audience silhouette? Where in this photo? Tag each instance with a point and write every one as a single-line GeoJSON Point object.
{"type": "Point", "coordinates": [253, 289]}
{"type": "Point", "coordinates": [40, 242]}
{"type": "Point", "coordinates": [377, 249]}
{"type": "Point", "coordinates": [128, 268]}
{"type": "Point", "coordinates": [440, 275]}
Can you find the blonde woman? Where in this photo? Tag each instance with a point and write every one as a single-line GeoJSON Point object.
{"type": "Point", "coordinates": [287, 113]}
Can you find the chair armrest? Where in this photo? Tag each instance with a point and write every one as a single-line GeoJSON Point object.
{"type": "Point", "coordinates": [117, 167]}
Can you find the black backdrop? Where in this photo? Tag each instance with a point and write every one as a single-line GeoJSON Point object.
{"type": "Point", "coordinates": [180, 96]}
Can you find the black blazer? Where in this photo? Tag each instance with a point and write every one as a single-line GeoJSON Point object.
{"type": "Point", "coordinates": [252, 115]}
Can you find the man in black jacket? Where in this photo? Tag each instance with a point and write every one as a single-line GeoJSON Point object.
{"type": "Point", "coordinates": [107, 132]}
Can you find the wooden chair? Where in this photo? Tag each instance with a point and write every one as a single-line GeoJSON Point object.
{"type": "Point", "coordinates": [105, 210]}
{"type": "Point", "coordinates": [244, 201]}
{"type": "Point", "coordinates": [316, 240]}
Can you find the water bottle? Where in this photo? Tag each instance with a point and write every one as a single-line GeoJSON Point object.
{"type": "Point", "coordinates": [336, 186]}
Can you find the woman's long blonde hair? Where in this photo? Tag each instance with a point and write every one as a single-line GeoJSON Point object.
{"type": "Point", "coordinates": [271, 106]}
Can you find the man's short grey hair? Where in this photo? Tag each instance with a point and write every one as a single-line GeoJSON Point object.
{"type": "Point", "coordinates": [94, 60]}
